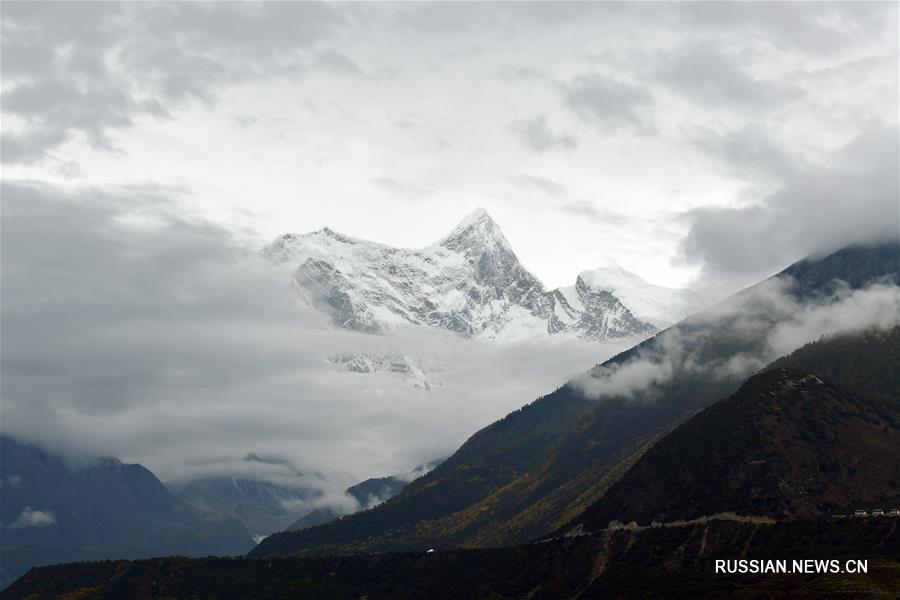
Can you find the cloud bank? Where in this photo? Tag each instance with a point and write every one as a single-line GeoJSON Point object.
{"type": "Point", "coordinates": [854, 197]}
{"type": "Point", "coordinates": [132, 331]}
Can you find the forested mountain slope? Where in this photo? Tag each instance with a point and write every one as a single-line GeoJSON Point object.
{"type": "Point", "coordinates": [786, 445]}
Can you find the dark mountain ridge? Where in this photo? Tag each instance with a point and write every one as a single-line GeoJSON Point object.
{"type": "Point", "coordinates": [786, 445]}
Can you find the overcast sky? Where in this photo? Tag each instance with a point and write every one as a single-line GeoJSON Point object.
{"type": "Point", "coordinates": [709, 141]}
{"type": "Point", "coordinates": [146, 145]}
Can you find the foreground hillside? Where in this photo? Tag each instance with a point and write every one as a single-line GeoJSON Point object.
{"type": "Point", "coordinates": [786, 445]}
{"type": "Point", "coordinates": [866, 363]}
{"type": "Point", "coordinates": [539, 467]}
{"type": "Point", "coordinates": [610, 564]}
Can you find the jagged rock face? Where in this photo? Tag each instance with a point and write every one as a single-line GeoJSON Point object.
{"type": "Point", "coordinates": [658, 305]}
{"type": "Point", "coordinates": [470, 282]}
{"type": "Point", "coordinates": [599, 314]}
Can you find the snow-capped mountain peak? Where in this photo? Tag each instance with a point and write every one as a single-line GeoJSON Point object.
{"type": "Point", "coordinates": [475, 233]}
{"type": "Point", "coordinates": [470, 282]}
{"type": "Point", "coordinates": [656, 304]}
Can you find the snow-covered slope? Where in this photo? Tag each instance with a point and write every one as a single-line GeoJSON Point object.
{"type": "Point", "coordinates": [656, 304]}
{"type": "Point", "coordinates": [470, 282]}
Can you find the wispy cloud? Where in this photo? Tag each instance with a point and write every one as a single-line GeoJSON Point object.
{"type": "Point", "coordinates": [31, 517]}
{"type": "Point", "coordinates": [540, 184]}
{"type": "Point", "coordinates": [536, 134]}
{"type": "Point", "coordinates": [769, 320]}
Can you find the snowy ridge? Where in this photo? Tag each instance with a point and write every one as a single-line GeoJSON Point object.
{"type": "Point", "coordinates": [656, 304]}
{"type": "Point", "coordinates": [469, 282]}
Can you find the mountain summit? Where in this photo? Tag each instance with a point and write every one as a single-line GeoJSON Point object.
{"type": "Point", "coordinates": [470, 282]}
{"type": "Point", "coordinates": [477, 231]}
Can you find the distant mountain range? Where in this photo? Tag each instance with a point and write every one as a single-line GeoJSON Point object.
{"type": "Point", "coordinates": [538, 468]}
{"type": "Point", "coordinates": [262, 507]}
{"type": "Point", "coordinates": [471, 283]}
{"type": "Point", "coordinates": [53, 509]}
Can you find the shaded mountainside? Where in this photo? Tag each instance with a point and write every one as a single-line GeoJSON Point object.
{"type": "Point", "coordinates": [868, 364]}
{"type": "Point", "coordinates": [651, 563]}
{"type": "Point", "coordinates": [785, 445]}
{"type": "Point", "coordinates": [262, 506]}
{"type": "Point", "coordinates": [289, 502]}
{"type": "Point", "coordinates": [54, 511]}
{"type": "Point", "coordinates": [539, 467]}
{"type": "Point", "coordinates": [368, 493]}
{"type": "Point", "coordinates": [854, 265]}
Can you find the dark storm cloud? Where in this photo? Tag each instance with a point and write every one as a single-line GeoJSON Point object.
{"type": "Point", "coordinates": [854, 198]}
{"type": "Point", "coordinates": [79, 69]}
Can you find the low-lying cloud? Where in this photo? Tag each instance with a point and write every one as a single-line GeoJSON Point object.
{"type": "Point", "coordinates": [131, 331]}
{"type": "Point", "coordinates": [31, 517]}
{"type": "Point", "coordinates": [764, 323]}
